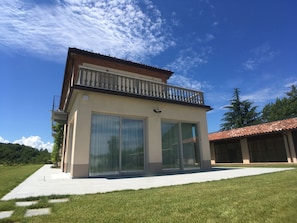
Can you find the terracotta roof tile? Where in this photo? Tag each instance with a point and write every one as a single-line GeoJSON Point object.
{"type": "Point", "coordinates": [270, 127]}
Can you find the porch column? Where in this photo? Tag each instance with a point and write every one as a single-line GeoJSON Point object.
{"type": "Point", "coordinates": [289, 145]}
{"type": "Point", "coordinates": [245, 150]}
{"type": "Point", "coordinates": [212, 153]}
{"type": "Point", "coordinates": [68, 148]}
{"type": "Point", "coordinates": [204, 143]}
{"type": "Point", "coordinates": [63, 149]}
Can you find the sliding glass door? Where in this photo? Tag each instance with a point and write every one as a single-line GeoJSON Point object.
{"type": "Point", "coordinates": [179, 145]}
{"type": "Point", "coordinates": [117, 145]}
{"type": "Point", "coordinates": [170, 145]}
{"type": "Point", "coordinates": [132, 157]}
{"type": "Point", "coordinates": [105, 141]}
{"type": "Point", "coordinates": [191, 157]}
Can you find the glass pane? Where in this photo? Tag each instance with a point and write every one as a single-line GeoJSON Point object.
{"type": "Point", "coordinates": [132, 145]}
{"type": "Point", "coordinates": [170, 145]}
{"type": "Point", "coordinates": [104, 152]}
{"type": "Point", "coordinates": [191, 156]}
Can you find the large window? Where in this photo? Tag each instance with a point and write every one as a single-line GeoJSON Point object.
{"type": "Point", "coordinates": [170, 145]}
{"type": "Point", "coordinates": [190, 155]}
{"type": "Point", "coordinates": [180, 145]}
{"type": "Point", "coordinates": [117, 145]}
{"type": "Point", "coordinates": [132, 145]}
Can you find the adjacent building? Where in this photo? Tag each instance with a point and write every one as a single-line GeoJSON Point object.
{"type": "Point", "coordinates": [269, 142]}
{"type": "Point", "coordinates": [122, 118]}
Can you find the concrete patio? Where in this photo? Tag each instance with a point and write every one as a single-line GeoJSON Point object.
{"type": "Point", "coordinates": [48, 181]}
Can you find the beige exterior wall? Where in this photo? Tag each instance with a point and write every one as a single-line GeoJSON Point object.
{"type": "Point", "coordinates": [84, 103]}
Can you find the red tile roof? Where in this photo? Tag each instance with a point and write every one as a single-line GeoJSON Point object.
{"type": "Point", "coordinates": [270, 127]}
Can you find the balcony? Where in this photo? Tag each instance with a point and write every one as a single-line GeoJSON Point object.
{"type": "Point", "coordinates": [123, 85]}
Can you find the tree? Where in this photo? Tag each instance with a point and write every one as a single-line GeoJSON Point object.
{"type": "Point", "coordinates": [292, 100]}
{"type": "Point", "coordinates": [11, 154]}
{"type": "Point", "coordinates": [58, 141]}
{"type": "Point", "coordinates": [240, 114]}
{"type": "Point", "coordinates": [282, 108]}
{"type": "Point", "coordinates": [293, 93]}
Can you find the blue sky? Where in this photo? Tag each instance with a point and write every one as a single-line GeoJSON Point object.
{"type": "Point", "coordinates": [212, 46]}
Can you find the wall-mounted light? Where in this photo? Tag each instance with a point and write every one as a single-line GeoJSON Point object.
{"type": "Point", "coordinates": [157, 110]}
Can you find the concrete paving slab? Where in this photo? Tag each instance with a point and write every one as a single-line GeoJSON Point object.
{"type": "Point", "coordinates": [50, 181]}
{"type": "Point", "coordinates": [25, 203]}
{"type": "Point", "coordinates": [58, 200]}
{"type": "Point", "coordinates": [36, 212]}
{"type": "Point", "coordinates": [5, 214]}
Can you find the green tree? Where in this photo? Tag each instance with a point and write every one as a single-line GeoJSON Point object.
{"type": "Point", "coordinates": [58, 141]}
{"type": "Point", "coordinates": [240, 114]}
{"type": "Point", "coordinates": [292, 100]}
{"type": "Point", "coordinates": [11, 154]}
{"type": "Point", "coordinates": [282, 108]}
{"type": "Point", "coordinates": [293, 93]}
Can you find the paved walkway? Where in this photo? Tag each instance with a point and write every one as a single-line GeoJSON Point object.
{"type": "Point", "coordinates": [47, 181]}
{"type": "Point", "coordinates": [30, 211]}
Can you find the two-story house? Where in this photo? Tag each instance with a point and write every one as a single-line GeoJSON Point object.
{"type": "Point", "coordinates": [123, 118]}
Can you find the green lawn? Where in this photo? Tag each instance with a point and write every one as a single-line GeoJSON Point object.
{"type": "Point", "coordinates": [11, 176]}
{"type": "Point", "coordinates": [263, 198]}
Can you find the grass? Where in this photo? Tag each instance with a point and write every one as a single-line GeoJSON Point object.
{"type": "Point", "coordinates": [11, 176]}
{"type": "Point", "coordinates": [263, 198]}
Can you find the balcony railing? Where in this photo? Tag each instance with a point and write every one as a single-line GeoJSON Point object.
{"type": "Point", "coordinates": [133, 86]}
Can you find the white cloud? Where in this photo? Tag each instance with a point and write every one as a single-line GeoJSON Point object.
{"type": "Point", "coordinates": [2, 140]}
{"type": "Point", "coordinates": [264, 95]}
{"type": "Point", "coordinates": [186, 82]}
{"type": "Point", "coordinates": [112, 27]}
{"type": "Point", "coordinates": [184, 64]}
{"type": "Point", "coordinates": [174, 20]}
{"type": "Point", "coordinates": [250, 64]}
{"type": "Point", "coordinates": [271, 92]}
{"type": "Point", "coordinates": [189, 59]}
{"type": "Point", "coordinates": [35, 142]}
{"type": "Point", "coordinates": [288, 85]}
{"type": "Point", "coordinates": [208, 37]}
{"type": "Point", "coordinates": [215, 23]}
{"type": "Point", "coordinates": [260, 55]}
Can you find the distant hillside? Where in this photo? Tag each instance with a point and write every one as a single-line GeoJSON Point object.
{"type": "Point", "coordinates": [20, 154]}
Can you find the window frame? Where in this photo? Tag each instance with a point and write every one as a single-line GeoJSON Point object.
{"type": "Point", "coordinates": [181, 146]}
{"type": "Point", "coordinates": [144, 137]}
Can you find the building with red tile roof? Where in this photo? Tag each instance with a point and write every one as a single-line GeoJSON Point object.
{"type": "Point", "coordinates": [269, 142]}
